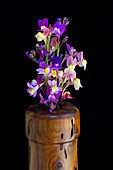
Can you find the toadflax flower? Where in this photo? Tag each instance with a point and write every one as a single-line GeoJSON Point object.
{"type": "Point", "coordinates": [54, 88]}
{"type": "Point", "coordinates": [56, 62]}
{"type": "Point", "coordinates": [46, 71]}
{"type": "Point", "coordinates": [53, 78]}
{"type": "Point", "coordinates": [77, 84]}
{"type": "Point", "coordinates": [52, 106]}
{"type": "Point", "coordinates": [43, 22]}
{"type": "Point", "coordinates": [70, 72]}
{"type": "Point", "coordinates": [59, 28]}
{"type": "Point", "coordinates": [67, 94]}
{"type": "Point", "coordinates": [42, 101]}
{"type": "Point", "coordinates": [40, 36]}
{"type": "Point", "coordinates": [33, 87]}
{"type": "Point", "coordinates": [81, 61]}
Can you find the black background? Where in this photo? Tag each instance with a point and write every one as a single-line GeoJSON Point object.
{"type": "Point", "coordinates": [90, 31]}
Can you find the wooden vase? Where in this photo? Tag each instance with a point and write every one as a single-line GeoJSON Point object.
{"type": "Point", "coordinates": [53, 137]}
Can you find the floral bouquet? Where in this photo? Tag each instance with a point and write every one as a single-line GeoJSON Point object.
{"type": "Point", "coordinates": [53, 77]}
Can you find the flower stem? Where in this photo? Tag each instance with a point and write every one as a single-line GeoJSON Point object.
{"type": "Point", "coordinates": [48, 39]}
{"type": "Point", "coordinates": [58, 46]}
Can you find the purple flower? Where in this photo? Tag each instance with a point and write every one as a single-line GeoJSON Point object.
{"type": "Point", "coordinates": [41, 99]}
{"type": "Point", "coordinates": [39, 79]}
{"type": "Point", "coordinates": [43, 22]}
{"type": "Point", "coordinates": [59, 28]}
{"type": "Point", "coordinates": [56, 62]}
{"type": "Point", "coordinates": [42, 64]}
{"type": "Point", "coordinates": [52, 106]}
{"type": "Point", "coordinates": [41, 51]}
{"type": "Point", "coordinates": [71, 49]}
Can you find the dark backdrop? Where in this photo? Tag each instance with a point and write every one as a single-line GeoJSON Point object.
{"type": "Point", "coordinates": [90, 31]}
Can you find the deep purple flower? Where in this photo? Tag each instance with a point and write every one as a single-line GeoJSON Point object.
{"type": "Point", "coordinates": [39, 78]}
{"type": "Point", "coordinates": [41, 51]}
{"type": "Point", "coordinates": [56, 62]}
{"type": "Point", "coordinates": [59, 28]}
{"type": "Point", "coordinates": [43, 22]}
{"type": "Point", "coordinates": [42, 64]}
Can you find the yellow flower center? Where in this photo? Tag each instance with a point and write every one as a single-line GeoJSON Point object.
{"type": "Point", "coordinates": [52, 106]}
{"type": "Point", "coordinates": [54, 73]}
{"type": "Point", "coordinates": [54, 87]}
{"type": "Point", "coordinates": [46, 70]}
{"type": "Point", "coordinates": [71, 67]}
{"type": "Point", "coordinates": [43, 27]}
{"type": "Point", "coordinates": [40, 101]}
{"type": "Point", "coordinates": [31, 90]}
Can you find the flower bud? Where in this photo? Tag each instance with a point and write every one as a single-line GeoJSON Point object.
{"type": "Point", "coordinates": [66, 20]}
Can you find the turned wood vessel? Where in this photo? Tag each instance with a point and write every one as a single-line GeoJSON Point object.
{"type": "Point", "coordinates": [53, 137]}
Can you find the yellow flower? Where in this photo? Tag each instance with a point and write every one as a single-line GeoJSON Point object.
{"type": "Point", "coordinates": [84, 63]}
{"type": "Point", "coordinates": [40, 36]}
{"type": "Point", "coordinates": [47, 70]}
{"type": "Point", "coordinates": [31, 90]}
{"type": "Point", "coordinates": [53, 73]}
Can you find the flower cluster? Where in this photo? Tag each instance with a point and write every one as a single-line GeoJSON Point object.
{"type": "Point", "coordinates": [52, 77]}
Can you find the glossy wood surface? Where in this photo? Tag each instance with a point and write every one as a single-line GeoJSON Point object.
{"type": "Point", "coordinates": [53, 137]}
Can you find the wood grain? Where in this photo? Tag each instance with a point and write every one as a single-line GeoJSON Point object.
{"type": "Point", "coordinates": [53, 137]}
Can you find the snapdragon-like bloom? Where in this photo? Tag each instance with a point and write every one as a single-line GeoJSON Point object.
{"type": "Point", "coordinates": [81, 61]}
{"type": "Point", "coordinates": [77, 84]}
{"type": "Point", "coordinates": [46, 71]}
{"type": "Point", "coordinates": [71, 50]}
{"type": "Point", "coordinates": [50, 64]}
{"type": "Point", "coordinates": [40, 36]}
{"type": "Point", "coordinates": [52, 98]}
{"type": "Point", "coordinates": [33, 87]}
{"type": "Point", "coordinates": [59, 28]}
{"type": "Point", "coordinates": [43, 22]}
{"type": "Point", "coordinates": [70, 72]}
{"type": "Point", "coordinates": [66, 95]}
{"type": "Point", "coordinates": [54, 88]}
{"type": "Point", "coordinates": [52, 106]}
{"type": "Point", "coordinates": [56, 62]}
{"type": "Point", "coordinates": [42, 101]}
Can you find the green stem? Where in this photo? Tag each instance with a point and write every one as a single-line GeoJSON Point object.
{"type": "Point", "coordinates": [48, 39]}
{"type": "Point", "coordinates": [58, 46]}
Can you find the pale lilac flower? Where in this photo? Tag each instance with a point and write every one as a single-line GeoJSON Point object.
{"type": "Point", "coordinates": [33, 87]}
{"type": "Point", "coordinates": [52, 98]}
{"type": "Point", "coordinates": [46, 71]}
{"type": "Point", "coordinates": [71, 50]}
{"type": "Point", "coordinates": [53, 85]}
{"type": "Point", "coordinates": [70, 72]}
